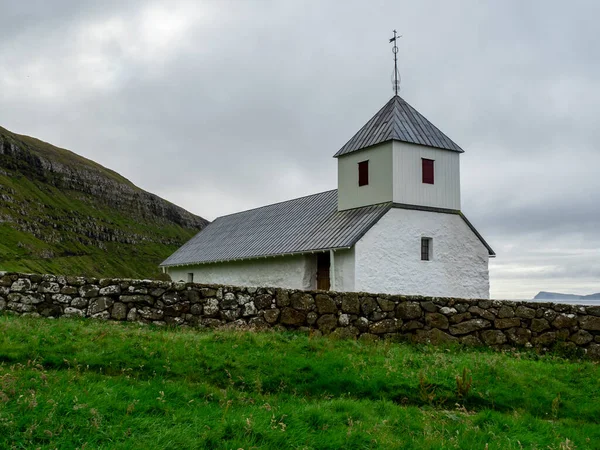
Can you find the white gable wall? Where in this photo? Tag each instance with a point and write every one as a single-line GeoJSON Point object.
{"type": "Point", "coordinates": [291, 272]}
{"type": "Point", "coordinates": [379, 189]}
{"type": "Point", "coordinates": [388, 257]}
{"type": "Point", "coordinates": [408, 176]}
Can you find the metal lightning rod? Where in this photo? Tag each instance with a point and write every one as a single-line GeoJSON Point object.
{"type": "Point", "coordinates": [396, 73]}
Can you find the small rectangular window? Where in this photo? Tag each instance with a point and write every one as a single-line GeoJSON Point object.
{"type": "Point", "coordinates": [425, 249]}
{"type": "Point", "coordinates": [363, 173]}
{"type": "Point", "coordinates": [427, 170]}
{"type": "Point", "coordinates": [190, 277]}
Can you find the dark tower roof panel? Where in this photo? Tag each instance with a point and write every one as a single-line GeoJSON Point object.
{"type": "Point", "coordinates": [399, 121]}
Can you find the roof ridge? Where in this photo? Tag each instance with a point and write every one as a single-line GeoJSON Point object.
{"type": "Point", "coordinates": [273, 204]}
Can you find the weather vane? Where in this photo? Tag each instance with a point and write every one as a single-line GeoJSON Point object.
{"type": "Point", "coordinates": [396, 81]}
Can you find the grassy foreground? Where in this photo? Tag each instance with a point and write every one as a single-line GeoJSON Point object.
{"type": "Point", "coordinates": [87, 384]}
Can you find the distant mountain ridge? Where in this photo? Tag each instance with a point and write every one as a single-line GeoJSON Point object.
{"type": "Point", "coordinates": [543, 295]}
{"type": "Point", "coordinates": [62, 213]}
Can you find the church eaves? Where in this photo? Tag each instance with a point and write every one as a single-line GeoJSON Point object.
{"type": "Point", "coordinates": [399, 121]}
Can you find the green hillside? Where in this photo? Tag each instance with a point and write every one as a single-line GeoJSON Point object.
{"type": "Point", "coordinates": [63, 214]}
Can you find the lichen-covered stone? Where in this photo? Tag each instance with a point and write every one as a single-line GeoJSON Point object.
{"type": "Point", "coordinates": [593, 310]}
{"type": "Point", "coordinates": [545, 339]}
{"type": "Point", "coordinates": [88, 291]}
{"type": "Point", "coordinates": [470, 340]}
{"type": "Point", "coordinates": [102, 315]}
{"type": "Point", "coordinates": [263, 301]}
{"type": "Point", "coordinates": [61, 298]}
{"type": "Point", "coordinates": [350, 304]}
{"type": "Point", "coordinates": [242, 298]}
{"type": "Point", "coordinates": [132, 315]}
{"type": "Point", "coordinates": [525, 312]}
{"type": "Point", "coordinates": [582, 337]}
{"type": "Point", "coordinates": [26, 299]}
{"type": "Point", "coordinates": [429, 306]}
{"type": "Point", "coordinates": [69, 290]}
{"type": "Point", "coordinates": [367, 306]}
{"type": "Point", "coordinates": [591, 323]}
{"type": "Point", "coordinates": [433, 336]}
{"type": "Point", "coordinates": [325, 305]}
{"type": "Point", "coordinates": [271, 315]}
{"type": "Point", "coordinates": [138, 299]}
{"type": "Point", "coordinates": [345, 333]}
{"type": "Point", "coordinates": [457, 318]}
{"type": "Point", "coordinates": [99, 304]}
{"type": "Point", "coordinates": [385, 326]}
{"type": "Point", "coordinates": [327, 323]}
{"type": "Point", "coordinates": [538, 325]}
{"type": "Point", "coordinates": [412, 325]}
{"type": "Point", "coordinates": [445, 310]}
{"type": "Point", "coordinates": [249, 309]}
{"type": "Point", "coordinates": [211, 308]}
{"type": "Point", "coordinates": [565, 321]}
{"type": "Point", "coordinates": [73, 312]}
{"type": "Point", "coordinates": [408, 311]}
{"type": "Point", "coordinates": [362, 323]}
{"type": "Point", "coordinates": [48, 287]}
{"type": "Point", "coordinates": [484, 313]}
{"type": "Point", "coordinates": [469, 326]}
{"type": "Point", "coordinates": [507, 323]}
{"type": "Point", "coordinates": [485, 304]}
{"type": "Point", "coordinates": [506, 312]}
{"type": "Point", "coordinates": [385, 304]}
{"type": "Point", "coordinates": [231, 314]}
{"type": "Point", "coordinates": [149, 313]}
{"type": "Point", "coordinates": [493, 337]}
{"type": "Point", "coordinates": [437, 320]}
{"type": "Point", "coordinates": [519, 336]}
{"type": "Point", "coordinates": [593, 352]}
{"type": "Point", "coordinates": [196, 309]}
{"type": "Point", "coordinates": [119, 311]}
{"type": "Point", "coordinates": [344, 320]}
{"type": "Point", "coordinates": [282, 298]}
{"type": "Point", "coordinates": [21, 285]}
{"type": "Point", "coordinates": [290, 316]}
{"type": "Point", "coordinates": [302, 302]}
{"type": "Point", "coordinates": [113, 289]}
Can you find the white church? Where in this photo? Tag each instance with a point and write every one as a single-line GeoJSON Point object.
{"type": "Point", "coordinates": [394, 224]}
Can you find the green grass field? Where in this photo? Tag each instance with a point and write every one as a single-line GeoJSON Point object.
{"type": "Point", "coordinates": [88, 384]}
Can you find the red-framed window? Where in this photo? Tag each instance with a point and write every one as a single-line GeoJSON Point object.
{"type": "Point", "coordinates": [428, 176]}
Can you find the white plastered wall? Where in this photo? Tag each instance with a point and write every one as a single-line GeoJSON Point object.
{"type": "Point", "coordinates": [388, 257]}
{"type": "Point", "coordinates": [408, 176]}
{"type": "Point", "coordinates": [343, 270]}
{"type": "Point", "coordinates": [291, 272]}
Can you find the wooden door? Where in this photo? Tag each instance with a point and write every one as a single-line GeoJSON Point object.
{"type": "Point", "coordinates": [323, 265]}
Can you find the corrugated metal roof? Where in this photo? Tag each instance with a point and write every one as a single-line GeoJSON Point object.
{"type": "Point", "coordinates": [397, 120]}
{"type": "Point", "coordinates": [301, 225]}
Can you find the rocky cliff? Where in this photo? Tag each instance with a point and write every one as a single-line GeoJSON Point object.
{"type": "Point", "coordinates": [62, 213]}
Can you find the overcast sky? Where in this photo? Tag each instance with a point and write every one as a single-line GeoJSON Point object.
{"type": "Point", "coordinates": [221, 106]}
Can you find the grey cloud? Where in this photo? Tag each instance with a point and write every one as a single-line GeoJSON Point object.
{"type": "Point", "coordinates": [244, 104]}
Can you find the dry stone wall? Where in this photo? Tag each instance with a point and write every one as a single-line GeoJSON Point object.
{"type": "Point", "coordinates": [501, 324]}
